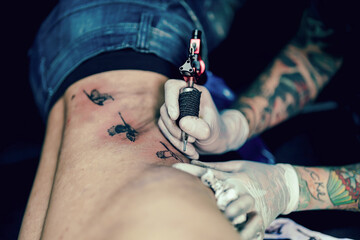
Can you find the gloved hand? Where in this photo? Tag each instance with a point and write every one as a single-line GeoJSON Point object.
{"type": "Point", "coordinates": [210, 133]}
{"type": "Point", "coordinates": [250, 194]}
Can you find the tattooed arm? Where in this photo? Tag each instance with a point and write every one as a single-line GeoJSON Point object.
{"type": "Point", "coordinates": [329, 187]}
{"type": "Point", "coordinates": [294, 78]}
{"type": "Point", "coordinates": [264, 191]}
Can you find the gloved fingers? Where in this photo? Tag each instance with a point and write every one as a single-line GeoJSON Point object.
{"type": "Point", "coordinates": [204, 92]}
{"type": "Point", "coordinates": [253, 228]}
{"type": "Point", "coordinates": [195, 127]}
{"type": "Point", "coordinates": [171, 125]}
{"type": "Point", "coordinates": [191, 169]}
{"type": "Point", "coordinates": [228, 166]}
{"type": "Point", "coordinates": [239, 207]}
{"type": "Point", "coordinates": [208, 111]}
{"type": "Point", "coordinates": [211, 178]}
{"type": "Point", "coordinates": [225, 197]}
{"type": "Point", "coordinates": [172, 91]}
{"type": "Point", "coordinates": [190, 149]}
{"type": "Point", "coordinates": [210, 115]}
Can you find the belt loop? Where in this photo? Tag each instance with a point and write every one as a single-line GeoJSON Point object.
{"type": "Point", "coordinates": [144, 31]}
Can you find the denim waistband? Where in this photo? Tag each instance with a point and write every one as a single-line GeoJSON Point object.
{"type": "Point", "coordinates": [78, 30]}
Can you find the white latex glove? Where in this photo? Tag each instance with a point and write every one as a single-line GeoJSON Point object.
{"type": "Point", "coordinates": [210, 133]}
{"type": "Point", "coordinates": [248, 190]}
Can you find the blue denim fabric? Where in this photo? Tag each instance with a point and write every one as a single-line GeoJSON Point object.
{"type": "Point", "coordinates": [78, 30]}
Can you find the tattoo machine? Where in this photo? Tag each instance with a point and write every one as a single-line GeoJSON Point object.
{"type": "Point", "coordinates": [191, 70]}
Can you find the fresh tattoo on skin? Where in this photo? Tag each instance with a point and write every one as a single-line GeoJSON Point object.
{"type": "Point", "coordinates": [167, 154]}
{"type": "Point", "coordinates": [123, 128]}
{"type": "Point", "coordinates": [98, 98]}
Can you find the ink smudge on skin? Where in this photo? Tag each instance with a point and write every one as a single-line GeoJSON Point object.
{"type": "Point", "coordinates": [123, 128]}
{"type": "Point", "coordinates": [98, 98]}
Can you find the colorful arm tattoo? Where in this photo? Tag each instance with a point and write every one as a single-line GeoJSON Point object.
{"type": "Point", "coordinates": [344, 187]}
{"type": "Point", "coordinates": [329, 188]}
{"type": "Point", "coordinates": [294, 79]}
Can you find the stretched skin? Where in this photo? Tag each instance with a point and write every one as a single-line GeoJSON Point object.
{"type": "Point", "coordinates": [110, 187]}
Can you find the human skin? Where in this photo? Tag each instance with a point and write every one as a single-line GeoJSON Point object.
{"type": "Point", "coordinates": [294, 79]}
{"type": "Point", "coordinates": [39, 198]}
{"type": "Point", "coordinates": [110, 185]}
{"type": "Point", "coordinates": [329, 187]}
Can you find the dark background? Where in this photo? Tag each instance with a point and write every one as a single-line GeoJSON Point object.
{"type": "Point", "coordinates": [260, 30]}
{"type": "Point", "coordinates": [22, 130]}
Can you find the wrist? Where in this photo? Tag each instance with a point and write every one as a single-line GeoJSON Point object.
{"type": "Point", "coordinates": [291, 182]}
{"type": "Point", "coordinates": [237, 128]}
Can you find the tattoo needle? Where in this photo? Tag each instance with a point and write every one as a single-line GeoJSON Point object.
{"type": "Point", "coordinates": [191, 70]}
{"type": "Point", "coordinates": [184, 137]}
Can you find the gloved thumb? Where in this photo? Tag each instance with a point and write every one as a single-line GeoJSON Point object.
{"type": "Point", "coordinates": [228, 166]}
{"type": "Point", "coordinates": [195, 127]}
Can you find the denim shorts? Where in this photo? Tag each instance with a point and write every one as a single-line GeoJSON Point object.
{"type": "Point", "coordinates": [79, 30]}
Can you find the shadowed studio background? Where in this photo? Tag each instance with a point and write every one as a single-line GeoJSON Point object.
{"type": "Point", "coordinates": [261, 28]}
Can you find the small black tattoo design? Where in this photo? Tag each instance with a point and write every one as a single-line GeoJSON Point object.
{"type": "Point", "coordinates": [130, 132]}
{"type": "Point", "coordinates": [98, 98]}
{"type": "Point", "coordinates": [73, 96]}
{"type": "Point", "coordinates": [167, 153]}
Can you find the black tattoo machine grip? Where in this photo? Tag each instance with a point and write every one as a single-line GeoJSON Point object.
{"type": "Point", "coordinates": [189, 102]}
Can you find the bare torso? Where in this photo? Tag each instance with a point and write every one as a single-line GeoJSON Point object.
{"type": "Point", "coordinates": [113, 178]}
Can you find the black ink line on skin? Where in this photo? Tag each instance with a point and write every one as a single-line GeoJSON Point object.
{"type": "Point", "coordinates": [98, 98]}
{"type": "Point", "coordinates": [167, 153]}
{"type": "Point", "coordinates": [314, 176]}
{"type": "Point", "coordinates": [318, 190]}
{"type": "Point", "coordinates": [73, 96]}
{"type": "Point", "coordinates": [126, 128]}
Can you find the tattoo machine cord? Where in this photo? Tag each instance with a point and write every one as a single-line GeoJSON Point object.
{"type": "Point", "coordinates": [191, 70]}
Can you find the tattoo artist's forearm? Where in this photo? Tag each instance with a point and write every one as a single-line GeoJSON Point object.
{"type": "Point", "coordinates": [329, 188]}
{"type": "Point", "coordinates": [277, 94]}
{"type": "Point", "coordinates": [294, 79]}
